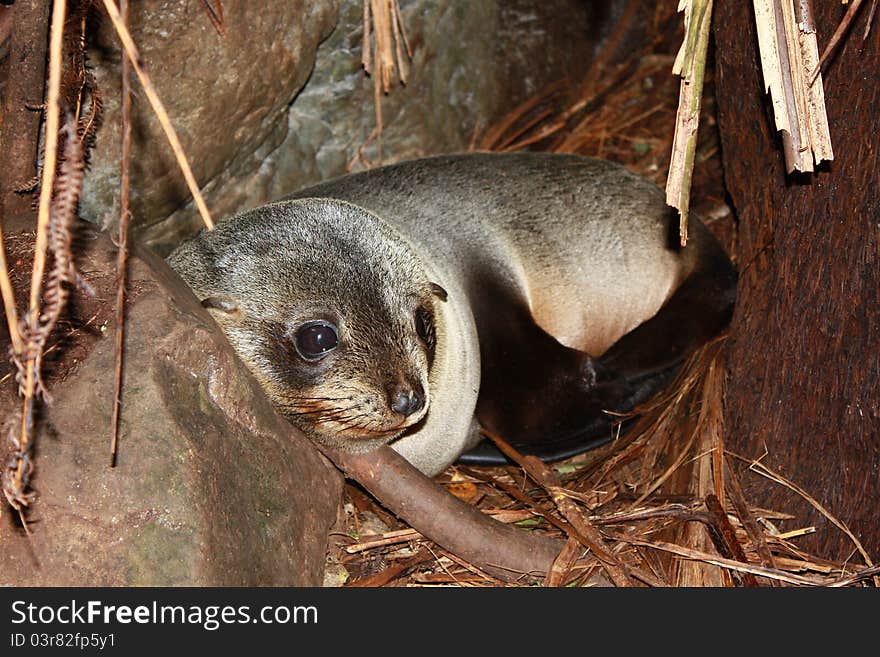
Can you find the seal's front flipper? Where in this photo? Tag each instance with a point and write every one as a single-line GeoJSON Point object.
{"type": "Point", "coordinates": [598, 419]}
{"type": "Point", "coordinates": [545, 399]}
{"type": "Point", "coordinates": [553, 402]}
{"type": "Point", "coordinates": [699, 310]}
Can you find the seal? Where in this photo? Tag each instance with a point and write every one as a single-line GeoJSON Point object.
{"type": "Point", "coordinates": [527, 294]}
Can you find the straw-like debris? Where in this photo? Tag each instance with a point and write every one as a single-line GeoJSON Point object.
{"type": "Point", "coordinates": [790, 63]}
{"type": "Point", "coordinates": [382, 55]}
{"type": "Point", "coordinates": [640, 495]}
{"type": "Point", "coordinates": [690, 64]}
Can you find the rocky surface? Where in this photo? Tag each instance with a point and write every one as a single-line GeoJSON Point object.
{"type": "Point", "coordinates": [254, 129]}
{"type": "Point", "coordinates": [211, 486]}
{"type": "Point", "coordinates": [226, 95]}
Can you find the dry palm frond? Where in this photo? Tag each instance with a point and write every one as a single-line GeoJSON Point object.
{"type": "Point", "coordinates": [789, 61]}
{"type": "Point", "coordinates": [690, 64]}
{"type": "Point", "coordinates": [383, 55]}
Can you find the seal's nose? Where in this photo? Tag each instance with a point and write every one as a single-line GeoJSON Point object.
{"type": "Point", "coordinates": [406, 400]}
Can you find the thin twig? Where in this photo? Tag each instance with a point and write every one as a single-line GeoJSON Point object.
{"type": "Point", "coordinates": [216, 17]}
{"type": "Point", "coordinates": [150, 91]}
{"type": "Point", "coordinates": [51, 154]}
{"type": "Point", "coordinates": [763, 470]}
{"type": "Point", "coordinates": [122, 253]}
{"type": "Point", "coordinates": [872, 572]}
{"type": "Point", "coordinates": [9, 300]}
{"type": "Point", "coordinates": [870, 20]}
{"type": "Point", "coordinates": [584, 531]}
{"type": "Point", "coordinates": [705, 557]}
{"type": "Point", "coordinates": [841, 30]}
{"type": "Point", "coordinates": [384, 540]}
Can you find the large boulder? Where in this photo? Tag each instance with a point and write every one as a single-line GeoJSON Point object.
{"type": "Point", "coordinates": [211, 486]}
{"type": "Point", "coordinates": [227, 95]}
{"type": "Point", "coordinates": [265, 111]}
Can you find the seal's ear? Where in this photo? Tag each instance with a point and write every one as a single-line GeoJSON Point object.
{"type": "Point", "coordinates": [439, 292]}
{"type": "Point", "coordinates": [221, 305]}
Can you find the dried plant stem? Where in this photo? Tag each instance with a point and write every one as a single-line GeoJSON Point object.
{"type": "Point", "coordinates": [764, 471]}
{"type": "Point", "coordinates": [842, 29]}
{"type": "Point", "coordinates": [366, 51]}
{"type": "Point", "coordinates": [722, 562]}
{"type": "Point", "coordinates": [59, 9]}
{"type": "Point", "coordinates": [82, 48]}
{"type": "Point", "coordinates": [870, 20]}
{"type": "Point", "coordinates": [382, 20]}
{"type": "Point", "coordinates": [122, 254]}
{"type": "Point", "coordinates": [691, 65]}
{"type": "Point", "coordinates": [872, 572]}
{"type": "Point", "coordinates": [51, 155]}
{"type": "Point", "coordinates": [156, 103]}
{"type": "Point", "coordinates": [9, 300]}
{"type": "Point", "coordinates": [791, 68]}
{"type": "Point", "coordinates": [581, 527]}
{"type": "Point", "coordinates": [216, 17]}
{"type": "Point", "coordinates": [388, 538]}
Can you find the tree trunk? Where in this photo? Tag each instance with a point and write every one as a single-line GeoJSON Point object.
{"type": "Point", "coordinates": [804, 358]}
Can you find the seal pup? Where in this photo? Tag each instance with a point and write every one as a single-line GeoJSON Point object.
{"type": "Point", "coordinates": [525, 293]}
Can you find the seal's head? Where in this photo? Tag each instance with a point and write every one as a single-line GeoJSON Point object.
{"type": "Point", "coordinates": [331, 310]}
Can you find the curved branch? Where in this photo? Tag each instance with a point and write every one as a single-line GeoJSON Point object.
{"type": "Point", "coordinates": [506, 552]}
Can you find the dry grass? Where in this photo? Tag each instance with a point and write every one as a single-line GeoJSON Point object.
{"type": "Point", "coordinates": [651, 495]}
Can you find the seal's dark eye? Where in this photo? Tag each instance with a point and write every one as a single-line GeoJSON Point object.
{"type": "Point", "coordinates": [425, 328]}
{"type": "Point", "coordinates": [313, 340]}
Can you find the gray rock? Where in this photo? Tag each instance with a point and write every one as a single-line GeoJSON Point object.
{"type": "Point", "coordinates": [226, 96]}
{"type": "Point", "coordinates": [230, 97]}
{"type": "Point", "coordinates": [451, 85]}
{"type": "Point", "coordinates": [211, 487]}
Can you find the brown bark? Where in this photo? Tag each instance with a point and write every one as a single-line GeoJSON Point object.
{"type": "Point", "coordinates": [804, 354]}
{"type": "Point", "coordinates": [24, 88]}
